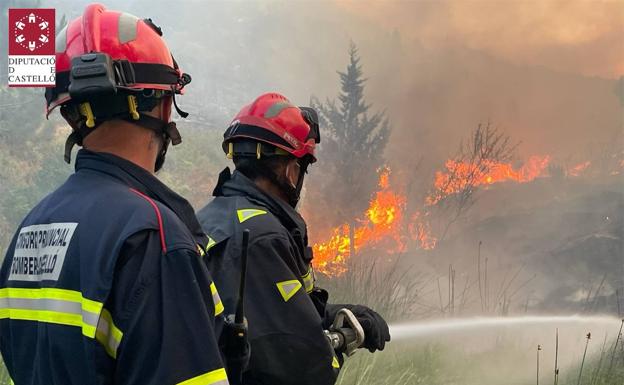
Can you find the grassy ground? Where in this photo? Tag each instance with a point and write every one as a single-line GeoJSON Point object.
{"type": "Point", "coordinates": [438, 364]}
{"type": "Point", "coordinates": [484, 359]}
{"type": "Point", "coordinates": [425, 365]}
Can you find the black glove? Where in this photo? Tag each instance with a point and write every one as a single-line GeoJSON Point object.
{"type": "Point", "coordinates": [375, 328]}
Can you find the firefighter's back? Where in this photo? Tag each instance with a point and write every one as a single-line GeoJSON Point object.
{"type": "Point", "coordinates": [56, 277]}
{"type": "Point", "coordinates": [102, 282]}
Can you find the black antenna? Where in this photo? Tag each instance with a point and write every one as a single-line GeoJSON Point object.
{"type": "Point", "coordinates": [236, 346]}
{"type": "Point", "coordinates": [557, 357]}
{"type": "Point", "coordinates": [239, 317]}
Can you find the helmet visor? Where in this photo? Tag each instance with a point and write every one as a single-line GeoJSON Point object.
{"type": "Point", "coordinates": [311, 117]}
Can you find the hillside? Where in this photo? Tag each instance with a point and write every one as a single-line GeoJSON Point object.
{"type": "Point", "coordinates": [569, 234]}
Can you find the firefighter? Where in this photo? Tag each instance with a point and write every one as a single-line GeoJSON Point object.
{"type": "Point", "coordinates": [272, 143]}
{"type": "Point", "coordinates": [103, 282]}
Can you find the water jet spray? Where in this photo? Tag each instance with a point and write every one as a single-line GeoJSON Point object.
{"type": "Point", "coordinates": [411, 330]}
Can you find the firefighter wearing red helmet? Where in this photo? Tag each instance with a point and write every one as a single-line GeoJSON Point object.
{"type": "Point", "coordinates": [103, 281]}
{"type": "Point", "coordinates": [272, 143]}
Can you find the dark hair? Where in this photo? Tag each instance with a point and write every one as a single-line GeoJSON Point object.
{"type": "Point", "coordinates": [265, 167]}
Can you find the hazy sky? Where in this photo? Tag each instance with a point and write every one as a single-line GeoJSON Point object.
{"type": "Point", "coordinates": [585, 37]}
{"type": "Point", "coordinates": [542, 70]}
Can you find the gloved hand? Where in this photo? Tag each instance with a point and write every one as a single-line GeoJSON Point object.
{"type": "Point", "coordinates": [375, 328]}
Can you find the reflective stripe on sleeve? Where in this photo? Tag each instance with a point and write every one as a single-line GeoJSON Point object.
{"type": "Point", "coordinates": [308, 280]}
{"type": "Point", "coordinates": [215, 377]}
{"type": "Point", "coordinates": [108, 334]}
{"type": "Point", "coordinates": [62, 307]}
{"type": "Point", "coordinates": [216, 299]}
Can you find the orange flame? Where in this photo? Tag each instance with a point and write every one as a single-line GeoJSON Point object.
{"type": "Point", "coordinates": [382, 224]}
{"type": "Point", "coordinates": [579, 169]}
{"type": "Point", "coordinates": [460, 175]}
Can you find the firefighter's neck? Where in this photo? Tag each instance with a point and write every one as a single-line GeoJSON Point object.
{"type": "Point", "coordinates": [126, 140]}
{"type": "Point", "coordinates": [270, 188]}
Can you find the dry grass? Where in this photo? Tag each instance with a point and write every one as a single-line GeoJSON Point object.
{"type": "Point", "coordinates": [391, 290]}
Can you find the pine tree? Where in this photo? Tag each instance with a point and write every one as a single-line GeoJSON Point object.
{"type": "Point", "coordinates": [351, 148]}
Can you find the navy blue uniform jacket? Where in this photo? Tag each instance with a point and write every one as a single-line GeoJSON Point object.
{"type": "Point", "coordinates": [288, 345]}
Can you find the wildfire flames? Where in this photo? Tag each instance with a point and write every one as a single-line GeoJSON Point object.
{"type": "Point", "coordinates": [383, 222]}
{"type": "Point", "coordinates": [459, 175]}
{"type": "Point", "coordinates": [386, 223]}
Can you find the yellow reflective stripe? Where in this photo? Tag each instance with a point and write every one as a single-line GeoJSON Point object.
{"type": "Point", "coordinates": [91, 306]}
{"type": "Point", "coordinates": [218, 304]}
{"type": "Point", "coordinates": [288, 288]}
{"type": "Point", "coordinates": [335, 363]}
{"type": "Point", "coordinates": [215, 377]}
{"type": "Point", "coordinates": [244, 214]}
{"type": "Point", "coordinates": [200, 251]}
{"type": "Point", "coordinates": [49, 316]}
{"type": "Point", "coordinates": [62, 307]}
{"type": "Point", "coordinates": [50, 293]}
{"type": "Point", "coordinates": [308, 280]}
{"type": "Point", "coordinates": [108, 334]}
{"type": "Point", "coordinates": [50, 305]}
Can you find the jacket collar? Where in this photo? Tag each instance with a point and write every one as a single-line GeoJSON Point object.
{"type": "Point", "coordinates": [237, 184]}
{"type": "Point", "coordinates": [140, 179]}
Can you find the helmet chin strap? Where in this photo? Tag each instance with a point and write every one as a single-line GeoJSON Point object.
{"type": "Point", "coordinates": [160, 125]}
{"type": "Point", "coordinates": [160, 158]}
{"type": "Point", "coordinates": [169, 131]}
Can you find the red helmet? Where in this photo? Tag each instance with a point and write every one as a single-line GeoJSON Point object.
{"type": "Point", "coordinates": [113, 65]}
{"type": "Point", "coordinates": [273, 120]}
{"type": "Point", "coordinates": [139, 55]}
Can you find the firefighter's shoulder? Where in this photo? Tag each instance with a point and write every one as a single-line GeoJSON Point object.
{"type": "Point", "coordinates": [96, 203]}
{"type": "Point", "coordinates": [136, 207]}
{"type": "Point", "coordinates": [122, 210]}
{"type": "Point", "coordinates": [227, 216]}
{"type": "Point", "coordinates": [149, 213]}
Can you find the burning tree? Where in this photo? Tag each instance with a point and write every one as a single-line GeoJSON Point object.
{"type": "Point", "coordinates": [352, 148]}
{"type": "Point", "coordinates": [483, 159]}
